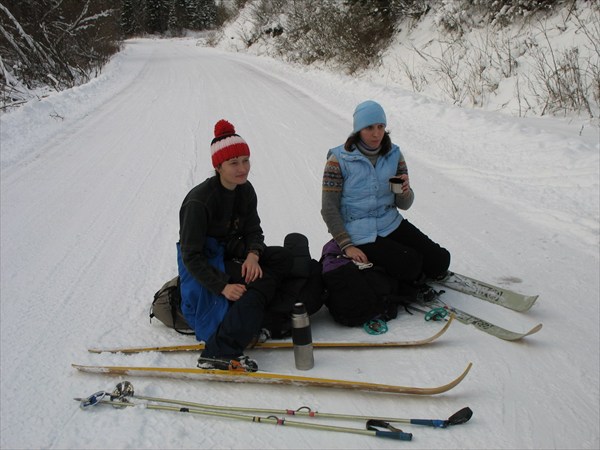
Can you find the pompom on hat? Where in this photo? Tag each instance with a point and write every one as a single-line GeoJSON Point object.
{"type": "Point", "coordinates": [227, 144]}
{"type": "Point", "coordinates": [368, 113]}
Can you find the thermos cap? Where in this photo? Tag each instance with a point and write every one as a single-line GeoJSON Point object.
{"type": "Point", "coordinates": [299, 308]}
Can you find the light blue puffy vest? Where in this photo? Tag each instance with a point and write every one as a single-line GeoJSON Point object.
{"type": "Point", "coordinates": [367, 204]}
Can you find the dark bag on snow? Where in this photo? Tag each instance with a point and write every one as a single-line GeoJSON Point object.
{"type": "Point", "coordinates": [355, 296]}
{"type": "Point", "coordinates": [166, 307]}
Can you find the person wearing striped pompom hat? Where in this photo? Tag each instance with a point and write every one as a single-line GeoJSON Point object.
{"type": "Point", "coordinates": [228, 276]}
{"type": "Point", "coordinates": [227, 145]}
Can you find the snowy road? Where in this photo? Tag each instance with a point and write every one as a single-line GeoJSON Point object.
{"type": "Point", "coordinates": [91, 184]}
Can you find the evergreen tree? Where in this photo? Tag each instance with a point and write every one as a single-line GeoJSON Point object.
{"type": "Point", "coordinates": [203, 14]}
{"type": "Point", "coordinates": [131, 14]}
{"type": "Point", "coordinates": [157, 16]}
{"type": "Point", "coordinates": [178, 16]}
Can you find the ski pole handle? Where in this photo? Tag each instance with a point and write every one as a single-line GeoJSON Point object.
{"type": "Point", "coordinates": [457, 418]}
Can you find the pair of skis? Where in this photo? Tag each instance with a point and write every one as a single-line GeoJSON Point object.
{"type": "Point", "coordinates": [494, 294]}
{"type": "Point", "coordinates": [273, 378]}
{"type": "Point", "coordinates": [475, 288]}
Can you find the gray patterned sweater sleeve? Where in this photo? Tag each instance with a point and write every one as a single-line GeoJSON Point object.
{"type": "Point", "coordinates": [404, 200]}
{"type": "Point", "coordinates": [333, 183]}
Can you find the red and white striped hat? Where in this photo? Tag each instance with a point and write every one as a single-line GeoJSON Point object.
{"type": "Point", "coordinates": [227, 144]}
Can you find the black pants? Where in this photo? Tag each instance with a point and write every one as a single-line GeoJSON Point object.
{"type": "Point", "coordinates": [244, 317]}
{"type": "Point", "coordinates": [407, 254]}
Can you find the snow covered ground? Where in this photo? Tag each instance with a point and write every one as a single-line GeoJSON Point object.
{"type": "Point", "coordinates": [91, 183]}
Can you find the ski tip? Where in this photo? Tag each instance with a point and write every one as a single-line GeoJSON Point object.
{"type": "Point", "coordinates": [527, 303]}
{"type": "Point", "coordinates": [466, 371]}
{"type": "Point", "coordinates": [534, 330]}
{"type": "Point", "coordinates": [517, 337]}
{"type": "Point", "coordinates": [455, 382]}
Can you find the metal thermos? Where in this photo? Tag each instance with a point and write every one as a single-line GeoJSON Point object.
{"type": "Point", "coordinates": [302, 338]}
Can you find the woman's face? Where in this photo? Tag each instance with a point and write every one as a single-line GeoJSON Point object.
{"type": "Point", "coordinates": [234, 171]}
{"type": "Point", "coordinates": [373, 135]}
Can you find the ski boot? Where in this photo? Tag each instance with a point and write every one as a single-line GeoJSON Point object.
{"type": "Point", "coordinates": [239, 364]}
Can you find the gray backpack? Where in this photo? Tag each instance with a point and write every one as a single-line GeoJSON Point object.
{"type": "Point", "coordinates": [166, 307]}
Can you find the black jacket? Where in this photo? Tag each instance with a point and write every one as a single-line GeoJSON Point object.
{"type": "Point", "coordinates": [210, 209]}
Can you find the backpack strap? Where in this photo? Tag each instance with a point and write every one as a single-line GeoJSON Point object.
{"type": "Point", "coordinates": [175, 302]}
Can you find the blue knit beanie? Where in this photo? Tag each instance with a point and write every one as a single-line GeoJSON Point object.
{"type": "Point", "coordinates": [368, 113]}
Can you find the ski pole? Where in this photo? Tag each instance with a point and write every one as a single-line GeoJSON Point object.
{"type": "Point", "coordinates": [457, 418]}
{"type": "Point", "coordinates": [372, 430]}
{"type": "Point", "coordinates": [125, 389]}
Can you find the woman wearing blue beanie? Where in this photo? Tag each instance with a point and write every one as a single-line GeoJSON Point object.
{"type": "Point", "coordinates": [361, 211]}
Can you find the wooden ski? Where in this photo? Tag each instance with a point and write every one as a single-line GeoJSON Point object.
{"type": "Point", "coordinates": [280, 344]}
{"type": "Point", "coordinates": [266, 378]}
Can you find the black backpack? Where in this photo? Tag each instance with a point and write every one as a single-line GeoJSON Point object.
{"type": "Point", "coordinates": [166, 307]}
{"type": "Point", "coordinates": [355, 296]}
{"type": "Point", "coordinates": [304, 284]}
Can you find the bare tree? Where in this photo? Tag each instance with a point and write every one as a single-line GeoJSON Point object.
{"type": "Point", "coordinates": [59, 43]}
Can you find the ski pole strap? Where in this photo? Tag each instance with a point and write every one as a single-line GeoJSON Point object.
{"type": "Point", "coordinates": [92, 400]}
{"type": "Point", "coordinates": [393, 433]}
{"type": "Point", "coordinates": [305, 409]}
